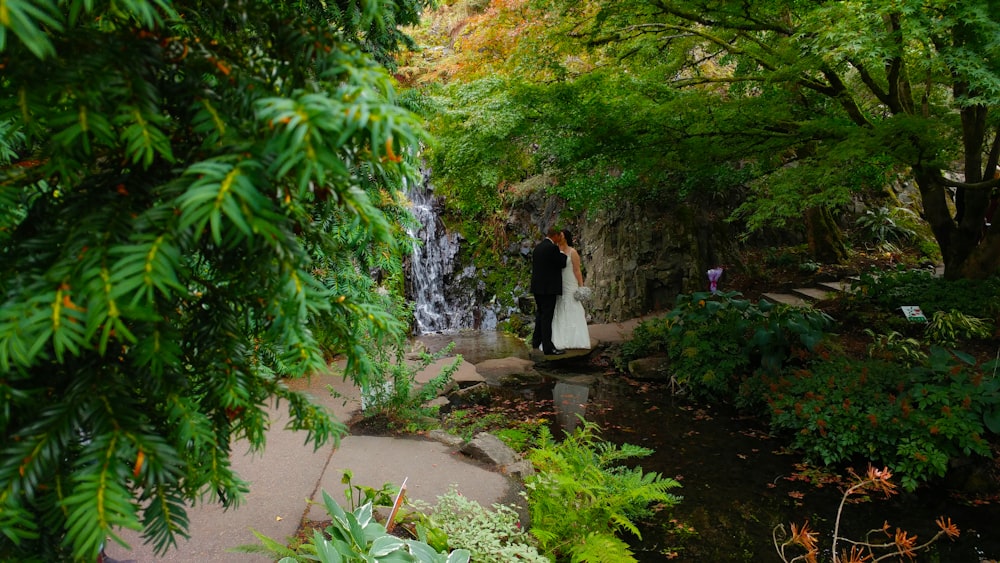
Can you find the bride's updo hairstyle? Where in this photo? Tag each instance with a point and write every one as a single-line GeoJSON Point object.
{"type": "Point", "coordinates": [569, 237]}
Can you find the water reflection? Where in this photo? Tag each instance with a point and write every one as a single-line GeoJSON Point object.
{"type": "Point", "coordinates": [738, 482]}
{"type": "Point", "coordinates": [569, 397]}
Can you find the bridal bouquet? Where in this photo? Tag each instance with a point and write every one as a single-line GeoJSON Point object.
{"type": "Point", "coordinates": [583, 294]}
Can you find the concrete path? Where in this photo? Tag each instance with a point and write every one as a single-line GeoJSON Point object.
{"type": "Point", "coordinates": [289, 476]}
{"type": "Point", "coordinates": [287, 479]}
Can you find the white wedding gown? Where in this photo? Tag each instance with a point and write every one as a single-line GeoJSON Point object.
{"type": "Point", "coordinates": [569, 324]}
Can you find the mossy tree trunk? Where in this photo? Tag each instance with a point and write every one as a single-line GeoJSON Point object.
{"type": "Point", "coordinates": [826, 240]}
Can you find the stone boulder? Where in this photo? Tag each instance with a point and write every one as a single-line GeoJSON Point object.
{"type": "Point", "coordinates": [650, 369]}
{"type": "Point", "coordinates": [487, 448]}
{"type": "Point", "coordinates": [509, 372]}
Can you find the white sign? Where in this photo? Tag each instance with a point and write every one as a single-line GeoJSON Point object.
{"type": "Point", "coordinates": [913, 313]}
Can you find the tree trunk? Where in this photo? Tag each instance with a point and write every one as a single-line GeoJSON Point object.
{"type": "Point", "coordinates": [826, 241]}
{"type": "Point", "coordinates": [965, 252]}
{"type": "Point", "coordinates": [984, 261]}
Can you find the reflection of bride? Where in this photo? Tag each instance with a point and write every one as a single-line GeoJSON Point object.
{"type": "Point", "coordinates": [569, 324]}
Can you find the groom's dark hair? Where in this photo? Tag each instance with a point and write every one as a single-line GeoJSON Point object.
{"type": "Point", "coordinates": [553, 231]}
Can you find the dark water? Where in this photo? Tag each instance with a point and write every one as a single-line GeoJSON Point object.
{"type": "Point", "coordinates": [738, 483]}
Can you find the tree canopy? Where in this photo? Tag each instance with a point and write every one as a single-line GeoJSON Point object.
{"type": "Point", "coordinates": [802, 106]}
{"type": "Point", "coordinates": [197, 200]}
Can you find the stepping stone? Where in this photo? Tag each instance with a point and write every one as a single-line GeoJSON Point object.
{"type": "Point", "coordinates": [785, 298]}
{"type": "Point", "coordinates": [843, 285]}
{"type": "Point", "coordinates": [812, 293]}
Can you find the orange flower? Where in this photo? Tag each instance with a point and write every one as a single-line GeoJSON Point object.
{"type": "Point", "coordinates": [806, 538]}
{"type": "Point", "coordinates": [905, 543]}
{"type": "Point", "coordinates": [855, 556]}
{"type": "Point", "coordinates": [947, 527]}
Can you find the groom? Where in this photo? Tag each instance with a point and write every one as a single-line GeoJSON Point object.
{"type": "Point", "coordinates": [547, 263]}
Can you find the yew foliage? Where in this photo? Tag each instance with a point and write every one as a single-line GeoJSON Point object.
{"type": "Point", "coordinates": [194, 197]}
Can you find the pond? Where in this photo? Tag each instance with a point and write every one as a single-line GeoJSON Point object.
{"type": "Point", "coordinates": [738, 482]}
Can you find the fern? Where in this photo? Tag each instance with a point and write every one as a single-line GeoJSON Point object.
{"type": "Point", "coordinates": [581, 494]}
{"type": "Point", "coordinates": [601, 547]}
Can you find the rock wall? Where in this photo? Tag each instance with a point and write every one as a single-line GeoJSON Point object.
{"type": "Point", "coordinates": [638, 259]}
{"type": "Point", "coordinates": [635, 258]}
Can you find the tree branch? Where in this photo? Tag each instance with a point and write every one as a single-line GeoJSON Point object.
{"type": "Point", "coordinates": [984, 185]}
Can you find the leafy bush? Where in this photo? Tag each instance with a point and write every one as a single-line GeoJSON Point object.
{"type": "Point", "coordinates": [713, 341]}
{"type": "Point", "coordinates": [581, 497]}
{"type": "Point", "coordinates": [491, 536]}
{"type": "Point", "coordinates": [912, 420]}
{"type": "Point", "coordinates": [893, 289]}
{"type": "Point", "coordinates": [893, 346]}
{"type": "Point", "coordinates": [887, 228]}
{"type": "Point", "coordinates": [390, 389]}
{"type": "Point", "coordinates": [353, 537]}
{"type": "Point", "coordinates": [947, 328]}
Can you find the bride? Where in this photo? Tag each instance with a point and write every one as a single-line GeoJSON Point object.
{"type": "Point", "coordinates": [569, 324]}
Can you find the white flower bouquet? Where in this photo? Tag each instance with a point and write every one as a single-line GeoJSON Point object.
{"type": "Point", "coordinates": [583, 294]}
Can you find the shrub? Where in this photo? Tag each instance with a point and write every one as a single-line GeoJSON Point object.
{"type": "Point", "coordinates": [714, 341]}
{"type": "Point", "coordinates": [491, 536]}
{"type": "Point", "coordinates": [912, 420]}
{"type": "Point", "coordinates": [894, 289]}
{"type": "Point", "coordinates": [581, 497]}
{"type": "Point", "coordinates": [947, 328]}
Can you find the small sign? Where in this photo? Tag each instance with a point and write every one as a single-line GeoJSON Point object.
{"type": "Point", "coordinates": [913, 313]}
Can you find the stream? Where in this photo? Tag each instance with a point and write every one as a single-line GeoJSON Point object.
{"type": "Point", "coordinates": [738, 482]}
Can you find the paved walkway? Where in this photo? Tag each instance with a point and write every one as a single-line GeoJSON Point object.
{"type": "Point", "coordinates": [288, 477]}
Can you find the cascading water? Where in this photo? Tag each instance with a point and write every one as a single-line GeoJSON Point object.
{"type": "Point", "coordinates": [444, 298]}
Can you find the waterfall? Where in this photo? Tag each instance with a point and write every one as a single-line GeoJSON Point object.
{"type": "Point", "coordinates": [445, 299]}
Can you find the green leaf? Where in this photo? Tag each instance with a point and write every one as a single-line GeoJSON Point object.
{"type": "Point", "coordinates": [27, 19]}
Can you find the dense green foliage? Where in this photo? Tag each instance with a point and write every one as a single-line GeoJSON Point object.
{"type": "Point", "coordinates": [355, 537]}
{"type": "Point", "coordinates": [906, 407]}
{"type": "Point", "coordinates": [894, 289]}
{"type": "Point", "coordinates": [582, 495]}
{"type": "Point", "coordinates": [773, 111]}
{"type": "Point", "coordinates": [714, 342]}
{"type": "Point", "coordinates": [197, 200]}
{"type": "Point", "coordinates": [913, 420]}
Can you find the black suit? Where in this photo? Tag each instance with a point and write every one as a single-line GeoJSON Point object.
{"type": "Point", "coordinates": [547, 263]}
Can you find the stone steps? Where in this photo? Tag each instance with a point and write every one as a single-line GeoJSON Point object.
{"type": "Point", "coordinates": [802, 296]}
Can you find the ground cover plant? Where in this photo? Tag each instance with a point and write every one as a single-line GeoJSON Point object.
{"type": "Point", "coordinates": [491, 535]}
{"type": "Point", "coordinates": [911, 419]}
{"type": "Point", "coordinates": [894, 288]}
{"type": "Point", "coordinates": [900, 402]}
